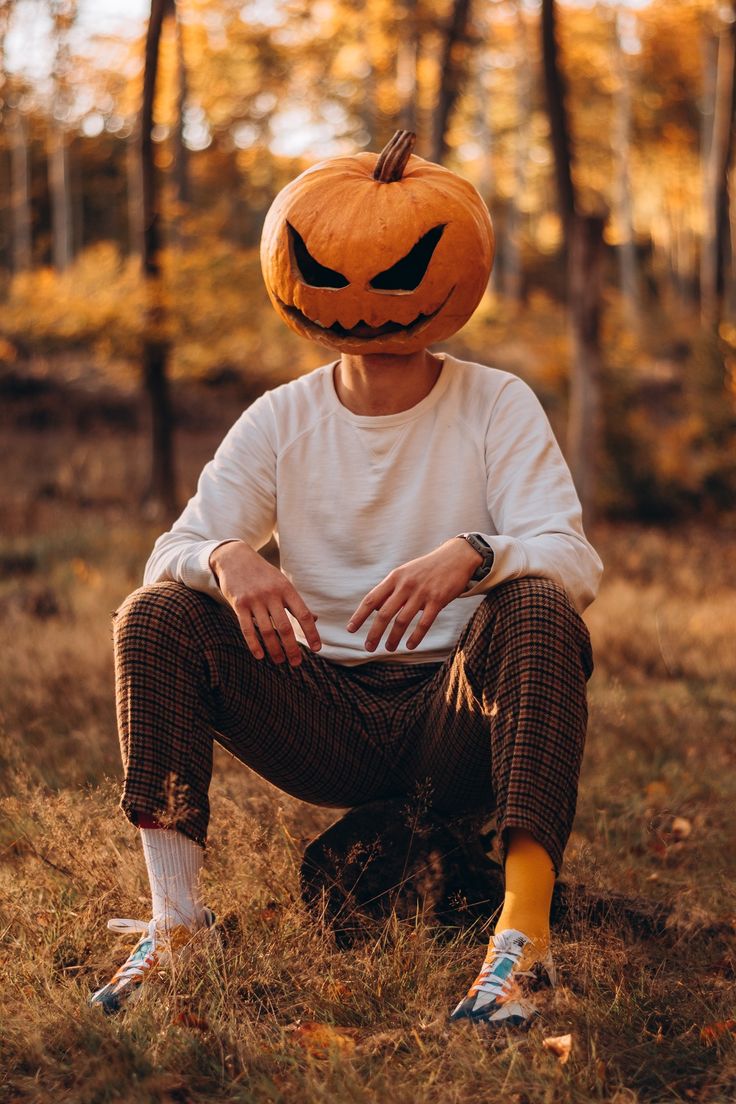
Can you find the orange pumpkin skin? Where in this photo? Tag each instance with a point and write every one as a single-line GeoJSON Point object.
{"type": "Point", "coordinates": [359, 227]}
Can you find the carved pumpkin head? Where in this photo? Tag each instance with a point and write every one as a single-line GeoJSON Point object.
{"type": "Point", "coordinates": [377, 254]}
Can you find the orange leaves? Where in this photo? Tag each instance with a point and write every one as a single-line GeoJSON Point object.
{"type": "Point", "coordinates": [560, 1046]}
{"type": "Point", "coordinates": [716, 1032]}
{"type": "Point", "coordinates": [270, 913]}
{"type": "Point", "coordinates": [657, 792]}
{"type": "Point", "coordinates": [320, 1040]}
{"type": "Point", "coordinates": [188, 1019]}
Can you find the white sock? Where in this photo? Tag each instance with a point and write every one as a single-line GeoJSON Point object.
{"type": "Point", "coordinates": [174, 862]}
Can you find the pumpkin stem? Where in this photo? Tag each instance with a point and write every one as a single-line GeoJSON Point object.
{"type": "Point", "coordinates": [393, 157]}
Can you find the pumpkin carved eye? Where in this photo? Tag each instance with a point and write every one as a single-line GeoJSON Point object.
{"type": "Point", "coordinates": [312, 272]}
{"type": "Point", "coordinates": [408, 273]}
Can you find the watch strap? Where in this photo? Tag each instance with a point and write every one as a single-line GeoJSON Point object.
{"type": "Point", "coordinates": [483, 548]}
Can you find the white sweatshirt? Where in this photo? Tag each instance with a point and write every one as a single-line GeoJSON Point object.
{"type": "Point", "coordinates": [349, 497]}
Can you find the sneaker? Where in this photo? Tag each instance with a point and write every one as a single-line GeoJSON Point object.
{"type": "Point", "coordinates": [152, 951]}
{"type": "Point", "coordinates": [499, 996]}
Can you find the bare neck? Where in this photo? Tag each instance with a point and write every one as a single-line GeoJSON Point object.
{"type": "Point", "coordinates": [384, 383]}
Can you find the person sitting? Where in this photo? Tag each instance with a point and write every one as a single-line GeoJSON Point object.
{"type": "Point", "coordinates": [423, 627]}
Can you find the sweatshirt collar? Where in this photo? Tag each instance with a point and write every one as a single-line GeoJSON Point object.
{"type": "Point", "coordinates": [378, 421]}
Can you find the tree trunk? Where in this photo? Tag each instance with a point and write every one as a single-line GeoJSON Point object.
{"type": "Point", "coordinates": [482, 125]}
{"type": "Point", "coordinates": [452, 69]}
{"type": "Point", "coordinates": [181, 157]}
{"type": "Point", "coordinates": [584, 255]}
{"type": "Point", "coordinates": [160, 497]}
{"type": "Point", "coordinates": [585, 287]}
{"type": "Point", "coordinates": [134, 177]}
{"type": "Point", "coordinates": [555, 89]}
{"type": "Point", "coordinates": [63, 15]}
{"type": "Point", "coordinates": [512, 283]}
{"type": "Point", "coordinates": [628, 274]}
{"type": "Point", "coordinates": [20, 191]}
{"type": "Point", "coordinates": [407, 56]}
{"type": "Point", "coordinates": [61, 208]}
{"type": "Point", "coordinates": [717, 242]}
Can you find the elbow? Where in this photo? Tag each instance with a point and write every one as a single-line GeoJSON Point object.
{"type": "Point", "coordinates": [589, 581]}
{"type": "Point", "coordinates": [156, 570]}
{"type": "Point", "coordinates": [150, 574]}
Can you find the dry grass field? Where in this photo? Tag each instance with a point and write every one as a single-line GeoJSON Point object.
{"type": "Point", "coordinates": [651, 1020]}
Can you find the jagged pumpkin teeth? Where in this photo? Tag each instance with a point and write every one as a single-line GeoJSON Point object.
{"type": "Point", "coordinates": [358, 252]}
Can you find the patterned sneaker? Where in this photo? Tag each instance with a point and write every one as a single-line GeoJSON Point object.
{"type": "Point", "coordinates": [152, 951]}
{"type": "Point", "coordinates": [499, 996]}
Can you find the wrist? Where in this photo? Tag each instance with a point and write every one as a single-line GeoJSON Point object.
{"type": "Point", "coordinates": [216, 555]}
{"type": "Point", "coordinates": [470, 555]}
{"type": "Point", "coordinates": [484, 557]}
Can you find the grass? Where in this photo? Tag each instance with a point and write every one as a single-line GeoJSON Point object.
{"type": "Point", "coordinates": [655, 819]}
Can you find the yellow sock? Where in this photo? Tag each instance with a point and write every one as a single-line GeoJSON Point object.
{"type": "Point", "coordinates": [530, 879]}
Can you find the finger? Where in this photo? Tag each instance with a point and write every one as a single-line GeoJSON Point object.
{"type": "Point", "coordinates": [373, 600]}
{"type": "Point", "coordinates": [307, 620]}
{"type": "Point", "coordinates": [403, 619]}
{"type": "Point", "coordinates": [385, 614]}
{"type": "Point", "coordinates": [268, 634]}
{"type": "Point", "coordinates": [424, 624]}
{"type": "Point", "coordinates": [248, 629]}
{"type": "Point", "coordinates": [285, 629]}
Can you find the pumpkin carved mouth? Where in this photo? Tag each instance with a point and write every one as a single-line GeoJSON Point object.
{"type": "Point", "coordinates": [362, 330]}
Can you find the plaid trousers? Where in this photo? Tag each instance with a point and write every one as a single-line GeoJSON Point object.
{"type": "Point", "coordinates": [500, 724]}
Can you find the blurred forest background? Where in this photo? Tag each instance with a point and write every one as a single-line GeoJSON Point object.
{"type": "Point", "coordinates": [613, 129]}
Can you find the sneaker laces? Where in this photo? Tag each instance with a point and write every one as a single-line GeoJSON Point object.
{"type": "Point", "coordinates": [493, 978]}
{"type": "Point", "coordinates": [143, 956]}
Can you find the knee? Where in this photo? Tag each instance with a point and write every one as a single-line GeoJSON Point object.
{"type": "Point", "coordinates": [527, 599]}
{"type": "Point", "coordinates": [530, 598]}
{"type": "Point", "coordinates": [535, 609]}
{"type": "Point", "coordinates": [163, 608]}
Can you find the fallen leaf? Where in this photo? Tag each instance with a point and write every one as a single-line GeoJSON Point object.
{"type": "Point", "coordinates": [681, 827]}
{"type": "Point", "coordinates": [657, 792]}
{"type": "Point", "coordinates": [188, 1019]}
{"type": "Point", "coordinates": [319, 1039]}
{"type": "Point", "coordinates": [657, 847]}
{"type": "Point", "coordinates": [715, 1031]}
{"type": "Point", "coordinates": [560, 1046]}
{"type": "Point", "coordinates": [270, 912]}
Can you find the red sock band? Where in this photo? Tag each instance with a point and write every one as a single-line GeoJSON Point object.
{"type": "Point", "coordinates": [146, 821]}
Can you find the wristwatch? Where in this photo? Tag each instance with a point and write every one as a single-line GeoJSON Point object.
{"type": "Point", "coordinates": [483, 548]}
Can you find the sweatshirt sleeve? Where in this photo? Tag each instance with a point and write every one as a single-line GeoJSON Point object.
{"type": "Point", "coordinates": [235, 500]}
{"type": "Point", "coordinates": [533, 502]}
